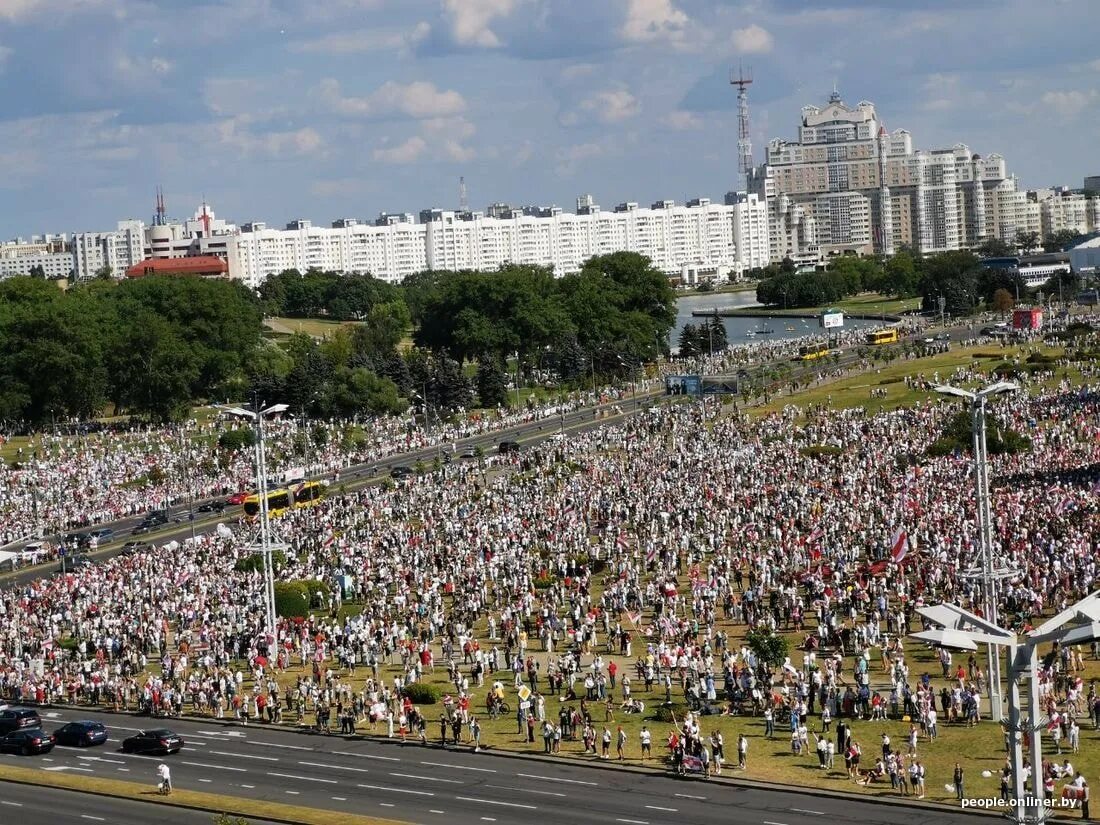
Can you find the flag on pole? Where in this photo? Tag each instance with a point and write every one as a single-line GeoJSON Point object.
{"type": "Point", "coordinates": [817, 535]}
{"type": "Point", "coordinates": [899, 545]}
{"type": "Point", "coordinates": [651, 555]}
{"type": "Point", "coordinates": [621, 541]}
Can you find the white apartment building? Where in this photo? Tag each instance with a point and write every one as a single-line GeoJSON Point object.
{"type": "Point", "coordinates": [50, 254]}
{"type": "Point", "coordinates": [847, 185]}
{"type": "Point", "coordinates": [1065, 210]}
{"type": "Point", "coordinates": [733, 236]}
{"type": "Point", "coordinates": [119, 250]}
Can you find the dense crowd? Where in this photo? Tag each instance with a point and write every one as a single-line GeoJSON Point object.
{"type": "Point", "coordinates": [606, 570]}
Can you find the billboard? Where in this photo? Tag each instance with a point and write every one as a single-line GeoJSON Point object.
{"type": "Point", "coordinates": [697, 385]}
{"type": "Point", "coordinates": [832, 319]}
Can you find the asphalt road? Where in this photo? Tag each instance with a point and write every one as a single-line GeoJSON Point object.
{"type": "Point", "coordinates": [27, 804]}
{"type": "Point", "coordinates": [419, 784]}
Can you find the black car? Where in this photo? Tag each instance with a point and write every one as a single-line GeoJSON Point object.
{"type": "Point", "coordinates": [155, 518]}
{"type": "Point", "coordinates": [81, 734]}
{"type": "Point", "coordinates": [131, 547]}
{"type": "Point", "coordinates": [508, 447]}
{"type": "Point", "coordinates": [139, 529]}
{"type": "Point", "coordinates": [75, 539]}
{"type": "Point", "coordinates": [469, 452]}
{"type": "Point", "coordinates": [212, 507]}
{"type": "Point", "coordinates": [160, 740]}
{"type": "Point", "coordinates": [12, 719]}
{"type": "Point", "coordinates": [401, 471]}
{"type": "Point", "coordinates": [27, 741]}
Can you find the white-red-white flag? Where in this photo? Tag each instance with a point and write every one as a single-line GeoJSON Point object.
{"type": "Point", "coordinates": [899, 545]}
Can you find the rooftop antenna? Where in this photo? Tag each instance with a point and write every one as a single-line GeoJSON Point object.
{"type": "Point", "coordinates": [463, 201]}
{"type": "Point", "coordinates": [835, 96]}
{"type": "Point", "coordinates": [160, 218]}
{"type": "Point", "coordinates": [744, 144]}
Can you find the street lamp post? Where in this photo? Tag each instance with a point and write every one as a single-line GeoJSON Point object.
{"type": "Point", "coordinates": [257, 416]}
{"type": "Point", "coordinates": [987, 572]}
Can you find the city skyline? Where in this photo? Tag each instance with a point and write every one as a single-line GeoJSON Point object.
{"type": "Point", "coordinates": [369, 106]}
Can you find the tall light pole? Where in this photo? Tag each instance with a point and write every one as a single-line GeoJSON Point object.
{"type": "Point", "coordinates": [985, 569]}
{"type": "Point", "coordinates": [257, 416]}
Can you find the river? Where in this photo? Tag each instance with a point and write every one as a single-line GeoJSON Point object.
{"type": "Point", "coordinates": [738, 327]}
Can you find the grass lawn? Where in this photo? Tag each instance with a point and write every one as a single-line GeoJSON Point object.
{"type": "Point", "coordinates": [869, 303]}
{"type": "Point", "coordinates": [855, 390]}
{"type": "Point", "coordinates": [315, 327]}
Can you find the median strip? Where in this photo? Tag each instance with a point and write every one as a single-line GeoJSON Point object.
{"type": "Point", "coordinates": [194, 800]}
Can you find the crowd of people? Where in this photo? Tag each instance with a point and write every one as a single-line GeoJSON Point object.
{"type": "Point", "coordinates": [616, 569]}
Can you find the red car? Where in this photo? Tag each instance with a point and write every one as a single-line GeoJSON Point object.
{"type": "Point", "coordinates": [237, 498]}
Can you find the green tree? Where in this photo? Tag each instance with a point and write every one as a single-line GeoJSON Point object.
{"type": "Point", "coordinates": [1028, 240]}
{"type": "Point", "coordinates": [900, 277]}
{"type": "Point", "coordinates": [954, 275]}
{"type": "Point", "coordinates": [1061, 240]}
{"type": "Point", "coordinates": [768, 647]}
{"type": "Point", "coordinates": [689, 341]}
{"type": "Point", "coordinates": [492, 384]}
{"type": "Point", "coordinates": [154, 371]}
{"type": "Point", "coordinates": [1003, 300]}
{"type": "Point", "coordinates": [994, 247]}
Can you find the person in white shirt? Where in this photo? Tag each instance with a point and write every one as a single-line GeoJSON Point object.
{"type": "Point", "coordinates": [164, 774]}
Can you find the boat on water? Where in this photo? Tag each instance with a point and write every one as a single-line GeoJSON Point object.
{"type": "Point", "coordinates": [790, 328]}
{"type": "Point", "coordinates": [749, 334]}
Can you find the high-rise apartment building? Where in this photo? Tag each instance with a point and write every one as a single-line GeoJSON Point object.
{"type": "Point", "coordinates": [728, 237]}
{"type": "Point", "coordinates": [849, 186]}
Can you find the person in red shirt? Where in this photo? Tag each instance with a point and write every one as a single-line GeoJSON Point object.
{"type": "Point", "coordinates": [612, 669]}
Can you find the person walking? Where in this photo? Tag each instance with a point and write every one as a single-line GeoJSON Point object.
{"type": "Point", "coordinates": [164, 777]}
{"type": "Point", "coordinates": [475, 732]}
{"type": "Point", "coordinates": [646, 739]}
{"type": "Point", "coordinates": [1083, 787]}
{"type": "Point", "coordinates": [958, 779]}
{"type": "Point", "coordinates": [742, 751]}
{"type": "Point", "coordinates": [620, 741]}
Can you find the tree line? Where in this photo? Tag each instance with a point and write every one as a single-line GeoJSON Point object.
{"type": "Point", "coordinates": [154, 347]}
{"type": "Point", "coordinates": [957, 277]}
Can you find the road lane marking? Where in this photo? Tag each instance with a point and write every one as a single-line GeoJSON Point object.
{"type": "Point", "coordinates": [124, 770]}
{"type": "Point", "coordinates": [396, 790]}
{"type": "Point", "coordinates": [689, 796]}
{"type": "Point", "coordinates": [367, 756]}
{"type": "Point", "coordinates": [525, 790]}
{"type": "Point", "coordinates": [634, 821]}
{"type": "Point", "coordinates": [96, 818]}
{"type": "Point", "coordinates": [11, 804]}
{"type": "Point", "coordinates": [434, 811]}
{"type": "Point", "coordinates": [246, 756]}
{"type": "Point", "coordinates": [459, 767]}
{"type": "Point", "coordinates": [808, 811]}
{"type": "Point", "coordinates": [293, 793]}
{"type": "Point", "coordinates": [101, 759]}
{"type": "Point", "coordinates": [555, 779]}
{"type": "Point", "coordinates": [248, 786]}
{"type": "Point", "coordinates": [340, 798]}
{"type": "Point", "coordinates": [488, 819]}
{"type": "Point", "coordinates": [497, 802]}
{"type": "Point", "coordinates": [334, 767]}
{"type": "Point", "coordinates": [278, 745]}
{"type": "Point", "coordinates": [213, 767]}
{"type": "Point", "coordinates": [659, 808]}
{"type": "Point", "coordinates": [69, 768]}
{"type": "Point", "coordinates": [386, 804]}
{"type": "Point", "coordinates": [302, 778]}
{"type": "Point", "coordinates": [189, 741]}
{"type": "Point", "coordinates": [206, 780]}
{"type": "Point", "coordinates": [426, 778]}
{"type": "Point", "coordinates": [769, 822]}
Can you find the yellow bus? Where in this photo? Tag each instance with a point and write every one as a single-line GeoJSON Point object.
{"type": "Point", "coordinates": [282, 499]}
{"type": "Point", "coordinates": [882, 336]}
{"type": "Point", "coordinates": [808, 352]}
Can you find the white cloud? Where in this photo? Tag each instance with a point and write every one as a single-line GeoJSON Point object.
{"type": "Point", "coordinates": [648, 21]}
{"type": "Point", "coordinates": [610, 106]}
{"type": "Point", "coordinates": [753, 40]}
{"type": "Point", "coordinates": [455, 128]}
{"type": "Point", "coordinates": [235, 132]}
{"type": "Point", "coordinates": [417, 100]}
{"type": "Point", "coordinates": [363, 41]}
{"type": "Point", "coordinates": [570, 157]}
{"type": "Point", "coordinates": [407, 152]}
{"type": "Point", "coordinates": [469, 20]}
{"type": "Point", "coordinates": [1070, 104]}
{"type": "Point", "coordinates": [682, 121]}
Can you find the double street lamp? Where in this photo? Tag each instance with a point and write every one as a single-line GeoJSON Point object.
{"type": "Point", "coordinates": [266, 547]}
{"type": "Point", "coordinates": [986, 570]}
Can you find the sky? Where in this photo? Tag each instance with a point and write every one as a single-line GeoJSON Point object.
{"type": "Point", "coordinates": [278, 109]}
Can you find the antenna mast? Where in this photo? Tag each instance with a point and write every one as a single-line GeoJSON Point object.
{"type": "Point", "coordinates": [744, 144]}
{"type": "Point", "coordinates": [463, 201]}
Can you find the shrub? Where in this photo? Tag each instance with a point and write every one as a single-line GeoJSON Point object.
{"type": "Point", "coordinates": [291, 599]}
{"type": "Point", "coordinates": [768, 647]}
{"type": "Point", "coordinates": [315, 587]}
{"type": "Point", "coordinates": [958, 435]}
{"type": "Point", "coordinates": [897, 380]}
{"type": "Point", "coordinates": [235, 440]}
{"type": "Point", "coordinates": [1041, 358]}
{"type": "Point", "coordinates": [255, 562]}
{"type": "Point", "coordinates": [545, 581]}
{"type": "Point", "coordinates": [421, 693]}
{"type": "Point", "coordinates": [670, 714]}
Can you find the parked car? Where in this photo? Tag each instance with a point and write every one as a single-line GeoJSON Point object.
{"type": "Point", "coordinates": [508, 447]}
{"type": "Point", "coordinates": [156, 518]}
{"type": "Point", "coordinates": [237, 498]}
{"type": "Point", "coordinates": [132, 546]}
{"type": "Point", "coordinates": [212, 507]}
{"type": "Point", "coordinates": [27, 741]}
{"type": "Point", "coordinates": [139, 529]}
{"type": "Point", "coordinates": [469, 452]}
{"type": "Point", "coordinates": [160, 740]}
{"type": "Point", "coordinates": [81, 734]}
{"type": "Point", "coordinates": [15, 718]}
{"type": "Point", "coordinates": [401, 471]}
